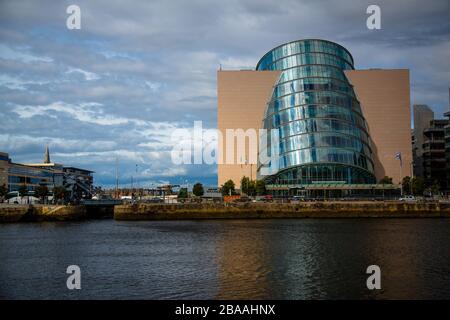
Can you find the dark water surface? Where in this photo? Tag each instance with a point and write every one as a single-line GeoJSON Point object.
{"type": "Point", "coordinates": [238, 259]}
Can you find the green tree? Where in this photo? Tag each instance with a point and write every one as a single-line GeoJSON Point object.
{"type": "Point", "coordinates": [3, 192]}
{"type": "Point", "coordinates": [418, 186]}
{"type": "Point", "coordinates": [228, 188]}
{"type": "Point", "coordinates": [260, 188]}
{"type": "Point", "coordinates": [183, 193]}
{"type": "Point", "coordinates": [251, 191]}
{"type": "Point", "coordinates": [435, 187]}
{"type": "Point", "coordinates": [406, 184]}
{"type": "Point", "coordinates": [59, 193]}
{"type": "Point", "coordinates": [198, 190]}
{"type": "Point", "coordinates": [386, 180]}
{"type": "Point", "coordinates": [41, 192]}
{"type": "Point", "coordinates": [245, 182]}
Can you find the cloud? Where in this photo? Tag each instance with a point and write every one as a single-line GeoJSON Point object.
{"type": "Point", "coordinates": [138, 70]}
{"type": "Point", "coordinates": [87, 75]}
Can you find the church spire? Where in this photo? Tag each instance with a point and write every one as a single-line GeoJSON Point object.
{"type": "Point", "coordinates": [47, 155]}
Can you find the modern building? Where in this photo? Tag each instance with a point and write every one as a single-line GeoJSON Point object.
{"type": "Point", "coordinates": [447, 149]}
{"type": "Point", "coordinates": [422, 117]}
{"type": "Point", "coordinates": [78, 182]}
{"type": "Point", "coordinates": [338, 128]}
{"type": "Point", "coordinates": [434, 160]}
{"type": "Point", "coordinates": [14, 175]}
{"type": "Point", "coordinates": [431, 147]}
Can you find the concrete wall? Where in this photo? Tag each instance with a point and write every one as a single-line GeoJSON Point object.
{"type": "Point", "coordinates": [242, 97]}
{"type": "Point", "coordinates": [385, 101]}
{"type": "Point", "coordinates": [281, 210]}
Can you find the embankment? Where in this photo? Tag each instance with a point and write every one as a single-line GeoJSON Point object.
{"type": "Point", "coordinates": [23, 213]}
{"type": "Point", "coordinates": [371, 209]}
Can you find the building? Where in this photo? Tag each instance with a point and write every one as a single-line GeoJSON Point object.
{"type": "Point", "coordinates": [422, 117]}
{"type": "Point", "coordinates": [337, 126]}
{"type": "Point", "coordinates": [433, 156]}
{"type": "Point", "coordinates": [14, 175]}
{"type": "Point", "coordinates": [78, 182]}
{"type": "Point", "coordinates": [447, 149]}
{"type": "Point", "coordinates": [431, 147]}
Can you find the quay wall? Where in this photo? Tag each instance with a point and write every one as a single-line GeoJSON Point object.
{"type": "Point", "coordinates": [369, 209]}
{"type": "Point", "coordinates": [29, 213]}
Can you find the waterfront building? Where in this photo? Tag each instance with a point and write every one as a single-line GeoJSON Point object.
{"type": "Point", "coordinates": [14, 175]}
{"type": "Point", "coordinates": [447, 149]}
{"type": "Point", "coordinates": [339, 128]}
{"type": "Point", "coordinates": [431, 147]}
{"type": "Point", "coordinates": [78, 182]}
{"type": "Point", "coordinates": [422, 117]}
{"type": "Point", "coordinates": [434, 161]}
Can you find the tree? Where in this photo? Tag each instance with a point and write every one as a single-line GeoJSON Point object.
{"type": "Point", "coordinates": [59, 193]}
{"type": "Point", "coordinates": [23, 191]}
{"type": "Point", "coordinates": [41, 192]}
{"type": "Point", "coordinates": [418, 186]}
{"type": "Point", "coordinates": [406, 184]}
{"type": "Point", "coordinates": [228, 188]}
{"type": "Point", "coordinates": [245, 181]}
{"type": "Point", "coordinates": [260, 188]}
{"type": "Point", "coordinates": [3, 192]}
{"type": "Point", "coordinates": [434, 187]}
{"type": "Point", "coordinates": [251, 191]}
{"type": "Point", "coordinates": [198, 190]}
{"type": "Point", "coordinates": [183, 193]}
{"type": "Point", "coordinates": [386, 180]}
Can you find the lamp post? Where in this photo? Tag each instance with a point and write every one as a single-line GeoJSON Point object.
{"type": "Point", "coordinates": [137, 183]}
{"type": "Point", "coordinates": [398, 155]}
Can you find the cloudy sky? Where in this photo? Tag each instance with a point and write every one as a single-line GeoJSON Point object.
{"type": "Point", "coordinates": [137, 70]}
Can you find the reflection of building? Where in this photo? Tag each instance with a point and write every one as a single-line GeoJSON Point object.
{"type": "Point", "coordinates": [337, 125]}
{"type": "Point", "coordinates": [14, 175]}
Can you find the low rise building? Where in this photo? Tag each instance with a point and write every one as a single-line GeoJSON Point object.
{"type": "Point", "coordinates": [78, 182]}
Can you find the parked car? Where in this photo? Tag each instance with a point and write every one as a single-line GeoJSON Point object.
{"type": "Point", "coordinates": [407, 198]}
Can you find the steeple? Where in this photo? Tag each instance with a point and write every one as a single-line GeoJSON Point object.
{"type": "Point", "coordinates": [47, 155]}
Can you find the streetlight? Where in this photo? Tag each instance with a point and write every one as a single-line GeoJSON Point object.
{"type": "Point", "coordinates": [398, 155]}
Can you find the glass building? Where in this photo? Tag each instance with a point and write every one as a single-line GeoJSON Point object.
{"type": "Point", "coordinates": [323, 136]}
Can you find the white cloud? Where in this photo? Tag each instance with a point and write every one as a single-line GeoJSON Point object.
{"type": "Point", "coordinates": [87, 75]}
{"type": "Point", "coordinates": [91, 112]}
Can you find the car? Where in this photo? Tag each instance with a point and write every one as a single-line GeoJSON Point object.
{"type": "Point", "coordinates": [407, 198]}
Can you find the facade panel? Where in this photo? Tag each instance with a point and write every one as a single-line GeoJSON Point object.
{"type": "Point", "coordinates": [384, 97]}
{"type": "Point", "coordinates": [242, 98]}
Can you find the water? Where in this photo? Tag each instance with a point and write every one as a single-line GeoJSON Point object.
{"type": "Point", "coordinates": [238, 259]}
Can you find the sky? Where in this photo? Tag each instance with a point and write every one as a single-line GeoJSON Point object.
{"type": "Point", "coordinates": [137, 70]}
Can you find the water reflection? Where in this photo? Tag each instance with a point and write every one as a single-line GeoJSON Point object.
{"type": "Point", "coordinates": [238, 259]}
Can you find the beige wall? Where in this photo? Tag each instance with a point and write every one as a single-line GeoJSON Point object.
{"type": "Point", "coordinates": [242, 97]}
{"type": "Point", "coordinates": [384, 97]}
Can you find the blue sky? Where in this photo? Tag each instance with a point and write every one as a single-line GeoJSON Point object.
{"type": "Point", "coordinates": [137, 70]}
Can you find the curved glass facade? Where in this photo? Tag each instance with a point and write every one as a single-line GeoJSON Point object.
{"type": "Point", "coordinates": [323, 133]}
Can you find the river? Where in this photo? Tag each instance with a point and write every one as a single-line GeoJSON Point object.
{"type": "Point", "coordinates": [227, 259]}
